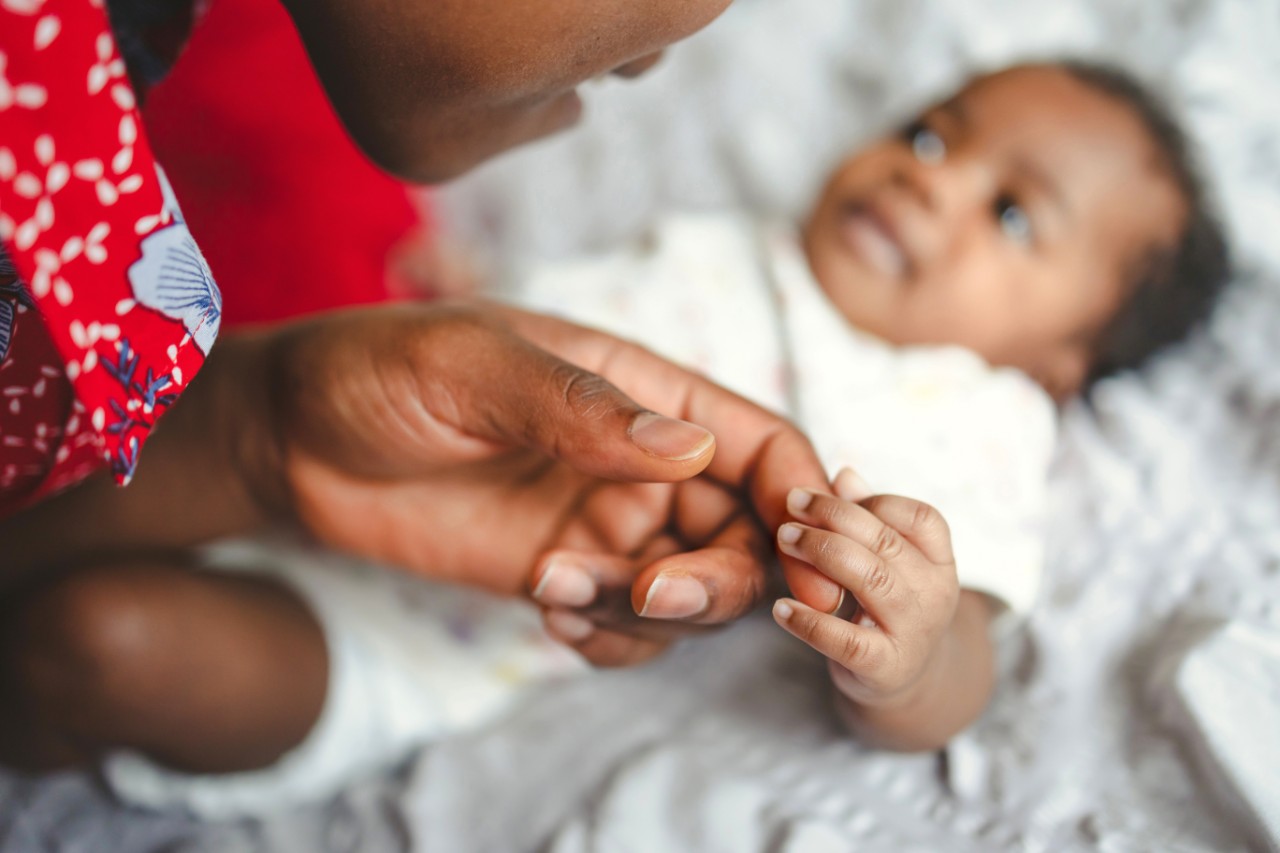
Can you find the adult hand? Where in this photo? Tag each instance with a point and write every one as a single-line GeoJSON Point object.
{"type": "Point", "coordinates": [468, 442]}
{"type": "Point", "coordinates": [471, 442]}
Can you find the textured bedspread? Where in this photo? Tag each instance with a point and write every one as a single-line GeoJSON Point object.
{"type": "Point", "coordinates": [1166, 500]}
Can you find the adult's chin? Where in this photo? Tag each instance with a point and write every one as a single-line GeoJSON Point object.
{"type": "Point", "coordinates": [441, 147]}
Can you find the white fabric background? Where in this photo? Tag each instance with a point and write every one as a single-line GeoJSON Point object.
{"type": "Point", "coordinates": [1166, 499]}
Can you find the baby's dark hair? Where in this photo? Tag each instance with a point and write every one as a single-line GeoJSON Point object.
{"type": "Point", "coordinates": [1171, 288]}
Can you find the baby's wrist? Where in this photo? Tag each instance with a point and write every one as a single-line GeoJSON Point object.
{"type": "Point", "coordinates": [909, 693]}
{"type": "Point", "coordinates": [859, 695]}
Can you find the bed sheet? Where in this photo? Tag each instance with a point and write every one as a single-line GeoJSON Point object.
{"type": "Point", "coordinates": [1166, 520]}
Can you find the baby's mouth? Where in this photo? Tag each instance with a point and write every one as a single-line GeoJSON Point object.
{"type": "Point", "coordinates": [873, 240]}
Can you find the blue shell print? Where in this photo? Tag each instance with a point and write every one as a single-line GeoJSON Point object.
{"type": "Point", "coordinates": [173, 278]}
{"type": "Point", "coordinates": [6, 328]}
{"type": "Point", "coordinates": [10, 296]}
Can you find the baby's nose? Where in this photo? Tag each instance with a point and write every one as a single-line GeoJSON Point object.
{"type": "Point", "coordinates": [952, 186]}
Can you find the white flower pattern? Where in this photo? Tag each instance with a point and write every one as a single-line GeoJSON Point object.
{"type": "Point", "coordinates": [92, 233]}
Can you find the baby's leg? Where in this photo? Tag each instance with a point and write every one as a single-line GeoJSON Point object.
{"type": "Point", "coordinates": [202, 672]}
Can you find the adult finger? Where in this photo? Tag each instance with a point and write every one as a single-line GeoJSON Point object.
{"type": "Point", "coordinates": [764, 456]}
{"type": "Point", "coordinates": [586, 604]}
{"type": "Point", "coordinates": [599, 588]}
{"type": "Point", "coordinates": [594, 583]}
{"type": "Point", "coordinates": [505, 389]}
{"type": "Point", "coordinates": [398, 391]}
{"type": "Point", "coordinates": [718, 583]}
{"type": "Point", "coordinates": [600, 646]}
{"type": "Point", "coordinates": [757, 452]}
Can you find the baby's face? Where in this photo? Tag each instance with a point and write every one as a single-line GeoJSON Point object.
{"type": "Point", "coordinates": [1003, 220]}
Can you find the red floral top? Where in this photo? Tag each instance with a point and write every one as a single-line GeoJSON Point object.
{"type": "Point", "coordinates": [107, 308]}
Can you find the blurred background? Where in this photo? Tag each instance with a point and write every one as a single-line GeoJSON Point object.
{"type": "Point", "coordinates": [1141, 704]}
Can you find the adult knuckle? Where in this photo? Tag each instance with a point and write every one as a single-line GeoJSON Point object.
{"type": "Point", "coordinates": [582, 393]}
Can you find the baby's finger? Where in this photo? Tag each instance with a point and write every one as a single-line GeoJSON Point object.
{"type": "Point", "coordinates": [854, 647]}
{"type": "Point", "coordinates": [849, 485]}
{"type": "Point", "coordinates": [855, 521]}
{"type": "Point", "coordinates": [917, 522]}
{"type": "Point", "coordinates": [849, 563]}
{"type": "Point", "coordinates": [838, 515]}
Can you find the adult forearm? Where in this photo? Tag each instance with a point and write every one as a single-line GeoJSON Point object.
{"type": "Point", "coordinates": [950, 695]}
{"type": "Point", "coordinates": [210, 469]}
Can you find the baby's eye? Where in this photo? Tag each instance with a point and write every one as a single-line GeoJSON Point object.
{"type": "Point", "coordinates": [926, 145]}
{"type": "Point", "coordinates": [1014, 221]}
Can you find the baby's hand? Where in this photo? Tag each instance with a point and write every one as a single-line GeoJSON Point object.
{"type": "Point", "coordinates": [894, 555]}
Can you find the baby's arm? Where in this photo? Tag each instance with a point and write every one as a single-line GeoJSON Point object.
{"type": "Point", "coordinates": [915, 666]}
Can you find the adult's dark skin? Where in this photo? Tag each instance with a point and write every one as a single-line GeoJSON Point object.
{"type": "Point", "coordinates": [451, 441]}
{"type": "Point", "coordinates": [455, 441]}
{"type": "Point", "coordinates": [475, 443]}
{"type": "Point", "coordinates": [431, 88]}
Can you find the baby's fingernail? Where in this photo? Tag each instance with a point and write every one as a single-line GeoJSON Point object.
{"type": "Point", "coordinates": [789, 534]}
{"type": "Point", "coordinates": [675, 597]}
{"type": "Point", "coordinates": [782, 610]}
{"type": "Point", "coordinates": [850, 486]}
{"type": "Point", "coordinates": [668, 438]}
{"type": "Point", "coordinates": [565, 585]}
{"type": "Point", "coordinates": [569, 626]}
{"type": "Point", "coordinates": [798, 500]}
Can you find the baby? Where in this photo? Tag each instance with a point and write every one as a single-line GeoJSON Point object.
{"type": "Point", "coordinates": [1038, 230]}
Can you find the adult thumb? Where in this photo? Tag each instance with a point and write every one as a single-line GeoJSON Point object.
{"type": "Point", "coordinates": [537, 400]}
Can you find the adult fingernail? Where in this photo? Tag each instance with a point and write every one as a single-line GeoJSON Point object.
{"type": "Point", "coordinates": [798, 500]}
{"type": "Point", "coordinates": [850, 486]}
{"type": "Point", "coordinates": [569, 626]}
{"type": "Point", "coordinates": [675, 598]}
{"type": "Point", "coordinates": [565, 585]}
{"type": "Point", "coordinates": [668, 438]}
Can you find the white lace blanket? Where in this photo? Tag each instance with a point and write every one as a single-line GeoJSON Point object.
{"type": "Point", "coordinates": [1167, 496]}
